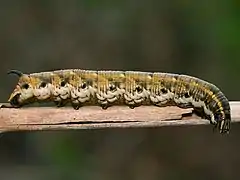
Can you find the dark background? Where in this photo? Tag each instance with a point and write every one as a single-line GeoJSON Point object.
{"type": "Point", "coordinates": [199, 38]}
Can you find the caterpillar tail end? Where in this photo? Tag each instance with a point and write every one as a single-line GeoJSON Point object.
{"type": "Point", "coordinates": [224, 125]}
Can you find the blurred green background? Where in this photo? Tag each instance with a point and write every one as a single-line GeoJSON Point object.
{"type": "Point", "coordinates": [199, 38]}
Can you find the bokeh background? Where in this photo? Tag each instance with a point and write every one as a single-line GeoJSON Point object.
{"type": "Point", "coordinates": [199, 38]}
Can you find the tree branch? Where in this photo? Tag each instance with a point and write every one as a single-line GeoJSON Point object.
{"type": "Point", "coordinates": [91, 117]}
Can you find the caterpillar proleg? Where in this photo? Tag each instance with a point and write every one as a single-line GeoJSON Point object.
{"type": "Point", "coordinates": [131, 88]}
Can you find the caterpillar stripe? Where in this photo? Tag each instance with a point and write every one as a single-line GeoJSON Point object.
{"type": "Point", "coordinates": [131, 88]}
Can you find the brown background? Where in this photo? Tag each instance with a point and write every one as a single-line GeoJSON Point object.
{"type": "Point", "coordinates": [199, 38]}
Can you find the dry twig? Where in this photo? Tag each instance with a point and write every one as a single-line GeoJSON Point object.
{"type": "Point", "coordinates": [90, 117]}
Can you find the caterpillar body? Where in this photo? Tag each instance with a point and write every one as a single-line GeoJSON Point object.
{"type": "Point", "coordinates": [131, 88]}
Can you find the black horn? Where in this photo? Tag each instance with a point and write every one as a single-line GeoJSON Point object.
{"type": "Point", "coordinates": [19, 73]}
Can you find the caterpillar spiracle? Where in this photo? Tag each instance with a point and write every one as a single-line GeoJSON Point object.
{"type": "Point", "coordinates": [131, 88]}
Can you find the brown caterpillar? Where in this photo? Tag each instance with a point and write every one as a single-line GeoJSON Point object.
{"type": "Point", "coordinates": [132, 88]}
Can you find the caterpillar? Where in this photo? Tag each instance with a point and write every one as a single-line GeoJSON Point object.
{"type": "Point", "coordinates": [132, 88]}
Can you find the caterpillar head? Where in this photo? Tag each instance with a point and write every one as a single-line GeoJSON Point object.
{"type": "Point", "coordinates": [23, 92]}
{"type": "Point", "coordinates": [30, 88]}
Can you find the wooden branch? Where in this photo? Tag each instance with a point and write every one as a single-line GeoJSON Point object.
{"type": "Point", "coordinates": [91, 117]}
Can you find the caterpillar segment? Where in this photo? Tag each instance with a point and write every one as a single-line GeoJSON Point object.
{"type": "Point", "coordinates": [110, 88]}
{"type": "Point", "coordinates": [162, 92]}
{"type": "Point", "coordinates": [83, 87]}
{"type": "Point", "coordinates": [137, 88]}
{"type": "Point", "coordinates": [131, 88]}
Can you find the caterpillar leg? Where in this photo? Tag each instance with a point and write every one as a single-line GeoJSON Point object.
{"type": "Point", "coordinates": [76, 106]}
{"type": "Point", "coordinates": [8, 105]}
{"type": "Point", "coordinates": [197, 111]}
{"type": "Point", "coordinates": [131, 106]}
{"type": "Point", "coordinates": [184, 106]}
{"type": "Point", "coordinates": [200, 112]}
{"type": "Point", "coordinates": [61, 103]}
{"type": "Point", "coordinates": [105, 106]}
